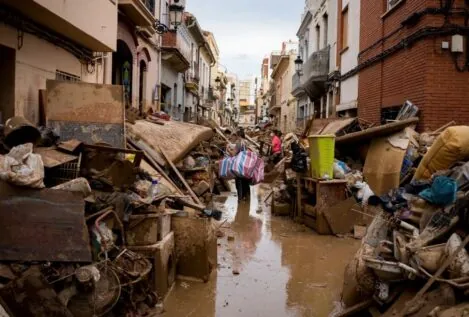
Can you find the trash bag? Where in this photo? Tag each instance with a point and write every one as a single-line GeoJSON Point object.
{"type": "Point", "coordinates": [364, 193]}
{"type": "Point", "coordinates": [340, 169]}
{"type": "Point", "coordinates": [22, 167]}
{"type": "Point", "coordinates": [299, 161]}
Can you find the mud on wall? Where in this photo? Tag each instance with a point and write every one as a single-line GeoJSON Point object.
{"type": "Point", "coordinates": [37, 61]}
{"type": "Point", "coordinates": [91, 113]}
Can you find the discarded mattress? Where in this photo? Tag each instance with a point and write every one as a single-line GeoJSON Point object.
{"type": "Point", "coordinates": [175, 138]}
{"type": "Point", "coordinates": [450, 147]}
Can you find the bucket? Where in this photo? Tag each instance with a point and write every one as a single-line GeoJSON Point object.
{"type": "Point", "coordinates": [18, 131]}
{"type": "Point", "coordinates": [142, 230]}
{"type": "Point", "coordinates": [321, 153]}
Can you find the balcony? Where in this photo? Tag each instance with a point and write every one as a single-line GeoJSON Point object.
{"type": "Point", "coordinates": [213, 93]}
{"type": "Point", "coordinates": [297, 85]}
{"type": "Point", "coordinates": [90, 23]}
{"type": "Point", "coordinates": [192, 79]}
{"type": "Point", "coordinates": [141, 12]}
{"type": "Point", "coordinates": [315, 73]}
{"type": "Point", "coordinates": [175, 51]}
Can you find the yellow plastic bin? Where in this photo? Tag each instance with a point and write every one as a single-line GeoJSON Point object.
{"type": "Point", "coordinates": [321, 153]}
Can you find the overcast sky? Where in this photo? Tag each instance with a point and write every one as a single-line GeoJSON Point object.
{"type": "Point", "coordinates": [248, 30]}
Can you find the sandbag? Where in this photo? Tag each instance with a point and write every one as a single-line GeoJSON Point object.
{"type": "Point", "coordinates": [450, 147]}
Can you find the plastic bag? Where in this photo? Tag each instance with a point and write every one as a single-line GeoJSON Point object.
{"type": "Point", "coordinates": [225, 168]}
{"type": "Point", "coordinates": [22, 167]}
{"type": "Point", "coordinates": [364, 192]}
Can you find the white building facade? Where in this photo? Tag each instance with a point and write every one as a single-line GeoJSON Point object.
{"type": "Point", "coordinates": [316, 87]}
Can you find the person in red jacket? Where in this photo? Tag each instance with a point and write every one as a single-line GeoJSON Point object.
{"type": "Point", "coordinates": [276, 146]}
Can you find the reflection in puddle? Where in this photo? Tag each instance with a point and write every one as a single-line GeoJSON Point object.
{"type": "Point", "coordinates": [268, 266]}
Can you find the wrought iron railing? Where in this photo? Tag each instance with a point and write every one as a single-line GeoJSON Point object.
{"type": "Point", "coordinates": [150, 4]}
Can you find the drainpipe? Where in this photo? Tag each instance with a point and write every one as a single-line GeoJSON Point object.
{"type": "Point", "coordinates": [198, 97]}
{"type": "Point", "coordinates": [160, 65]}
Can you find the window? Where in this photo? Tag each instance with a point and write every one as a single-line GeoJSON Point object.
{"type": "Point", "coordinates": [318, 38]}
{"type": "Point", "coordinates": [392, 3]}
{"type": "Point", "coordinates": [325, 20]}
{"type": "Point", "coordinates": [344, 25]}
{"type": "Point", "coordinates": [60, 75]}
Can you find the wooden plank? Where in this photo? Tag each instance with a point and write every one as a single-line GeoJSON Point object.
{"type": "Point", "coordinates": [342, 216]}
{"type": "Point", "coordinates": [181, 178]}
{"type": "Point", "coordinates": [154, 164]}
{"type": "Point", "coordinates": [52, 158]}
{"type": "Point", "coordinates": [42, 225]}
{"type": "Point", "coordinates": [374, 132]}
{"type": "Point", "coordinates": [70, 146]}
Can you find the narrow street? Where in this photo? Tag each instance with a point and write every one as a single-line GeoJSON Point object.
{"type": "Point", "coordinates": [285, 269]}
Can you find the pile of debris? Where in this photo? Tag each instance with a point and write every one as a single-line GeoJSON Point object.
{"type": "Point", "coordinates": [88, 228]}
{"type": "Point", "coordinates": [413, 260]}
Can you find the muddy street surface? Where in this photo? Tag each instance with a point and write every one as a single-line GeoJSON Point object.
{"type": "Point", "coordinates": [267, 266]}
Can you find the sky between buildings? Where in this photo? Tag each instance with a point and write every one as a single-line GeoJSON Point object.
{"type": "Point", "coordinates": [248, 30]}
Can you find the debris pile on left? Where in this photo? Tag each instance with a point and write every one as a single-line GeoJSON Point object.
{"type": "Point", "coordinates": [83, 227]}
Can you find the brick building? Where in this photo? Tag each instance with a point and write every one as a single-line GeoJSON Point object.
{"type": "Point", "coordinates": [407, 52]}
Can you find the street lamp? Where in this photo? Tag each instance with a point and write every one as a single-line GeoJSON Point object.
{"type": "Point", "coordinates": [176, 11]}
{"type": "Point", "coordinates": [299, 65]}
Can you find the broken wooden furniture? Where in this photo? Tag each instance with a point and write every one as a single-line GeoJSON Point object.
{"type": "Point", "coordinates": [322, 194]}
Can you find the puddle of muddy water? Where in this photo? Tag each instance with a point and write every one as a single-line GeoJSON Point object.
{"type": "Point", "coordinates": [285, 269]}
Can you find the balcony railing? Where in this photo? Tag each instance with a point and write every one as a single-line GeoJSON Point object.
{"type": "Point", "coordinates": [141, 12]}
{"type": "Point", "coordinates": [317, 64]}
{"type": "Point", "coordinates": [177, 50]}
{"type": "Point", "coordinates": [296, 83]}
{"type": "Point", "coordinates": [150, 5]}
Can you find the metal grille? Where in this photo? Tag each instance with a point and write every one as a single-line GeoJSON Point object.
{"type": "Point", "coordinates": [60, 75]}
{"type": "Point", "coordinates": [64, 173]}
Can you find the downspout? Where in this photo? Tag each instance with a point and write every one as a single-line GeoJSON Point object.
{"type": "Point", "coordinates": [198, 95]}
{"type": "Point", "coordinates": [337, 100]}
{"type": "Point", "coordinates": [160, 65]}
{"type": "Point", "coordinates": [210, 73]}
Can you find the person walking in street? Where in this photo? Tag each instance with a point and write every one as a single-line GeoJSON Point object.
{"type": "Point", "coordinates": [276, 146]}
{"type": "Point", "coordinates": [234, 148]}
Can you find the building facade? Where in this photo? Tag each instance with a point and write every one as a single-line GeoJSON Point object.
{"type": "Point", "coordinates": [316, 87]}
{"type": "Point", "coordinates": [413, 50]}
{"type": "Point", "coordinates": [135, 61]}
{"type": "Point", "coordinates": [283, 105]}
{"type": "Point", "coordinates": [348, 49]}
{"type": "Point", "coordinates": [177, 57]}
{"type": "Point", "coordinates": [47, 39]}
{"type": "Point", "coordinates": [247, 107]}
{"type": "Point", "coordinates": [231, 111]}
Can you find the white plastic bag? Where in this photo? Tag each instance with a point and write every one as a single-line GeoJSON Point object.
{"type": "Point", "coordinates": [364, 192]}
{"type": "Point", "coordinates": [22, 167]}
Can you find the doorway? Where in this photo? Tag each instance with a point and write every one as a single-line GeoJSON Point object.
{"type": "Point", "coordinates": [122, 60]}
{"type": "Point", "coordinates": [141, 86]}
{"type": "Point", "coordinates": [7, 83]}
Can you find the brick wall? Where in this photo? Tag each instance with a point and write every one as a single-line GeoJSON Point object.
{"type": "Point", "coordinates": [422, 73]}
